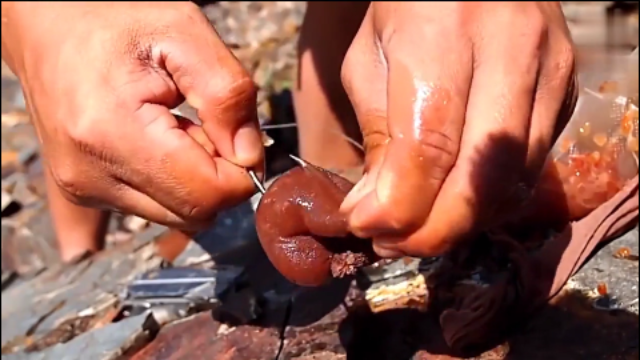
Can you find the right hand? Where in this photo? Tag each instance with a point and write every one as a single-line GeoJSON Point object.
{"type": "Point", "coordinates": [99, 80]}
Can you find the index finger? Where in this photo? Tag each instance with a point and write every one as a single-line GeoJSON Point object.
{"type": "Point", "coordinates": [173, 169]}
{"type": "Point", "coordinates": [214, 82]}
{"type": "Point", "coordinates": [427, 94]}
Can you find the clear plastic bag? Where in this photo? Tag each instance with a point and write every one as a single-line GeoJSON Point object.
{"type": "Point", "coordinates": [597, 153]}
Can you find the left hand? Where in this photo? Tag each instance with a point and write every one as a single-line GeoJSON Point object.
{"type": "Point", "coordinates": [459, 104]}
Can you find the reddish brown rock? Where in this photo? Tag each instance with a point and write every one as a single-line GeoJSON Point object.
{"type": "Point", "coordinates": [201, 337]}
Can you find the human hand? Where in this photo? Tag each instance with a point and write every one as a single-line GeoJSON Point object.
{"type": "Point", "coordinates": [459, 104]}
{"type": "Point", "coordinates": [100, 80]}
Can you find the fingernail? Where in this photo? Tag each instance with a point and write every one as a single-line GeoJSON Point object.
{"type": "Point", "coordinates": [367, 221]}
{"type": "Point", "coordinates": [362, 188]}
{"type": "Point", "coordinates": [354, 195]}
{"type": "Point", "coordinates": [386, 252]}
{"type": "Point", "coordinates": [247, 145]}
{"type": "Point", "coordinates": [387, 242]}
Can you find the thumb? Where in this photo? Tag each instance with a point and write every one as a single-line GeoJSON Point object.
{"type": "Point", "coordinates": [214, 82]}
{"type": "Point", "coordinates": [375, 146]}
{"type": "Point", "coordinates": [364, 79]}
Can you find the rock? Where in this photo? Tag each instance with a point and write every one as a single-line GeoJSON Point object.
{"type": "Point", "coordinates": [7, 278]}
{"type": "Point", "coordinates": [12, 97]}
{"type": "Point", "coordinates": [324, 355]}
{"type": "Point", "coordinates": [572, 329]}
{"type": "Point", "coordinates": [107, 343]}
{"type": "Point", "coordinates": [31, 309]}
{"type": "Point", "coordinates": [385, 270]}
{"type": "Point", "coordinates": [118, 237]}
{"type": "Point", "coordinates": [320, 338]}
{"type": "Point", "coordinates": [21, 252]}
{"type": "Point", "coordinates": [192, 255]}
{"type": "Point", "coordinates": [618, 275]}
{"type": "Point", "coordinates": [18, 185]}
{"type": "Point", "coordinates": [13, 118]}
{"type": "Point", "coordinates": [7, 199]}
{"type": "Point", "coordinates": [232, 229]}
{"type": "Point", "coordinates": [9, 162]}
{"type": "Point", "coordinates": [150, 233]}
{"type": "Point", "coordinates": [239, 307]}
{"type": "Point", "coordinates": [22, 140]}
{"type": "Point", "coordinates": [32, 246]}
{"type": "Point", "coordinates": [199, 337]}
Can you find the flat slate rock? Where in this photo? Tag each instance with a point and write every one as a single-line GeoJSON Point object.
{"type": "Point", "coordinates": [620, 276]}
{"type": "Point", "coordinates": [33, 308]}
{"type": "Point", "coordinates": [107, 343]}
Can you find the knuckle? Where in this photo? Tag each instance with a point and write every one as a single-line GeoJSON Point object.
{"type": "Point", "coordinates": [565, 61]}
{"type": "Point", "coordinates": [92, 141]}
{"type": "Point", "coordinates": [529, 29]}
{"type": "Point", "coordinates": [237, 89]}
{"type": "Point", "coordinates": [374, 133]}
{"type": "Point", "coordinates": [373, 149]}
{"type": "Point", "coordinates": [84, 132]}
{"type": "Point", "coordinates": [243, 86]}
{"type": "Point", "coordinates": [69, 181]}
{"type": "Point", "coordinates": [197, 213]}
{"type": "Point", "coordinates": [391, 38]}
{"type": "Point", "coordinates": [533, 47]}
{"type": "Point", "coordinates": [79, 132]}
{"type": "Point", "coordinates": [196, 209]}
{"type": "Point", "coordinates": [438, 150]}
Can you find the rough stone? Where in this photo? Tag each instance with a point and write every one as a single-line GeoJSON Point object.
{"type": "Point", "coordinates": [619, 275]}
{"type": "Point", "coordinates": [33, 308]}
{"type": "Point", "coordinates": [232, 229]}
{"type": "Point", "coordinates": [202, 337]}
{"type": "Point", "coordinates": [22, 250]}
{"type": "Point", "coordinates": [319, 338]}
{"type": "Point", "coordinates": [192, 255]}
{"type": "Point", "coordinates": [107, 343]}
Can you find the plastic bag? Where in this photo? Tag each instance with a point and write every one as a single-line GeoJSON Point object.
{"type": "Point", "coordinates": [597, 153]}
